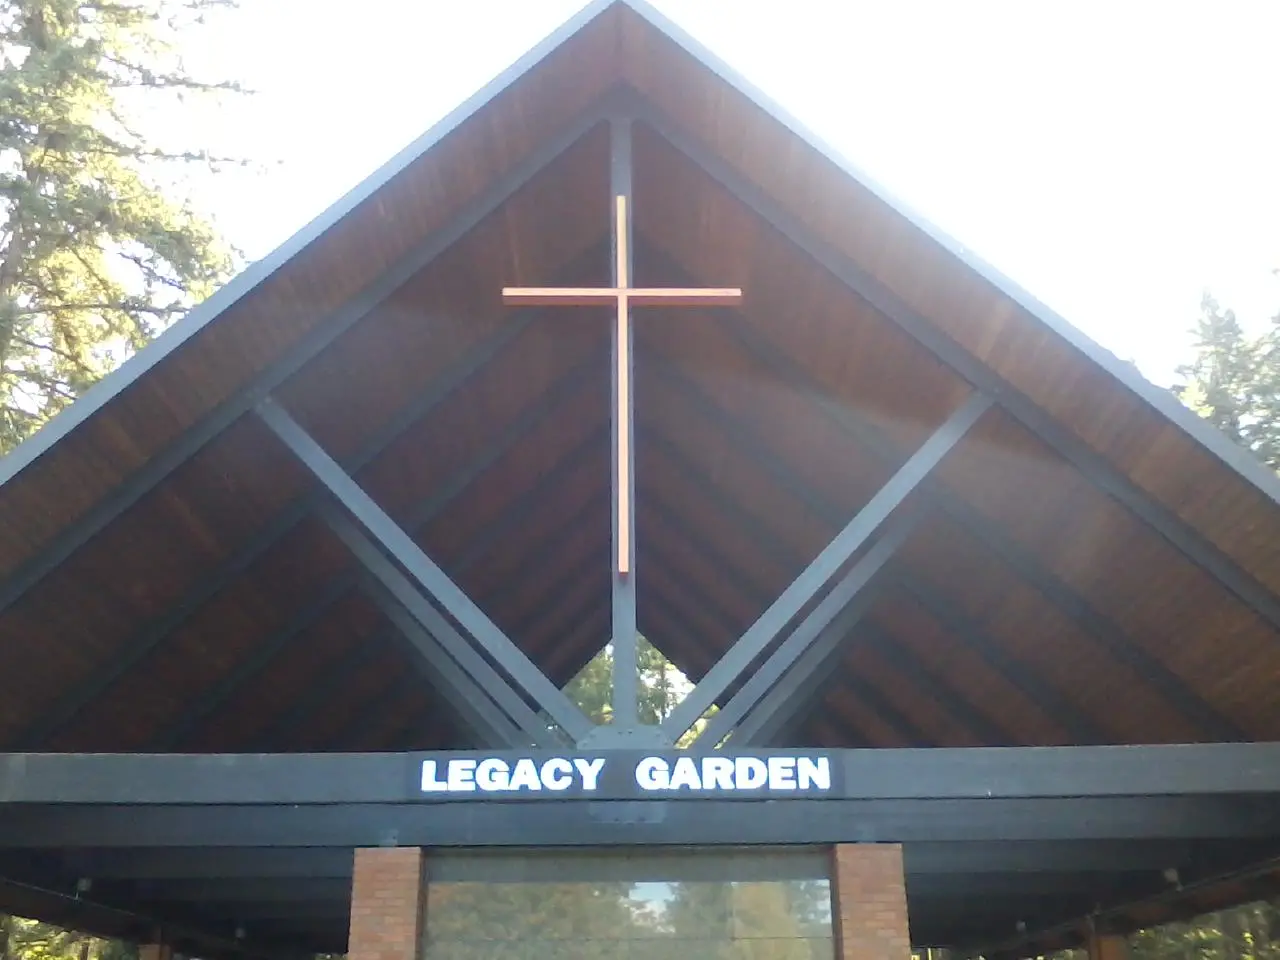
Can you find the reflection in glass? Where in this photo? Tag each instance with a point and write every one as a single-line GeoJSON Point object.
{"type": "Point", "coordinates": [784, 919]}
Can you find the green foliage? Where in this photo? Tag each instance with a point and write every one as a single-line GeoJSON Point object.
{"type": "Point", "coordinates": [662, 686]}
{"type": "Point", "coordinates": [96, 258]}
{"type": "Point", "coordinates": [1233, 380]}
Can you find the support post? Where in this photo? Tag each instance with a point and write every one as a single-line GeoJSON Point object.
{"type": "Point", "coordinates": [388, 904]}
{"type": "Point", "coordinates": [869, 902]}
{"type": "Point", "coordinates": [1107, 946]}
{"type": "Point", "coordinates": [868, 521]}
{"type": "Point", "coordinates": [625, 640]}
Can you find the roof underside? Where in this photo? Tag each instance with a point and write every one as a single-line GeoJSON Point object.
{"type": "Point", "coordinates": [1030, 605]}
{"type": "Point", "coordinates": [1085, 570]}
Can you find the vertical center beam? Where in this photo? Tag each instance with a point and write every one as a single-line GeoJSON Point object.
{"type": "Point", "coordinates": [625, 641]}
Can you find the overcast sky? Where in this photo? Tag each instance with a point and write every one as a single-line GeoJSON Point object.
{"type": "Point", "coordinates": [1114, 159]}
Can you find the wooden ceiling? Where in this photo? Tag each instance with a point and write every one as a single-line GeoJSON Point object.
{"type": "Point", "coordinates": [1092, 565]}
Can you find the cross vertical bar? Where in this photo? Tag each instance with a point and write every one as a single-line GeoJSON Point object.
{"type": "Point", "coordinates": [625, 667]}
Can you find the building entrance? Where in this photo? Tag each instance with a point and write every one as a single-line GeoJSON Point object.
{"type": "Point", "coordinates": [690, 904]}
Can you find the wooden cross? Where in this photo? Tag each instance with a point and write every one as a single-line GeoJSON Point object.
{"type": "Point", "coordinates": [623, 296]}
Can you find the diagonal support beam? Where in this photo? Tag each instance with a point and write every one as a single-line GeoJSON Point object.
{"type": "Point", "coordinates": [1056, 705]}
{"type": "Point", "coordinates": [429, 577]}
{"type": "Point", "coordinates": [422, 513]}
{"type": "Point", "coordinates": [835, 555]}
{"type": "Point", "coordinates": [405, 595]}
{"type": "Point", "coordinates": [160, 466]}
{"type": "Point", "coordinates": [479, 713]}
{"type": "Point", "coordinates": [1196, 547]}
{"type": "Point", "coordinates": [853, 597]}
{"type": "Point", "coordinates": [802, 687]}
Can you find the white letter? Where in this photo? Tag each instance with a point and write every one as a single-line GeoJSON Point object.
{"type": "Point", "coordinates": [685, 775]}
{"type": "Point", "coordinates": [782, 773]}
{"type": "Point", "coordinates": [815, 773]}
{"type": "Point", "coordinates": [750, 773]}
{"type": "Point", "coordinates": [589, 770]}
{"type": "Point", "coordinates": [549, 778]}
{"type": "Point", "coordinates": [525, 775]}
{"type": "Point", "coordinates": [492, 775]}
{"type": "Point", "coordinates": [651, 773]}
{"type": "Point", "coordinates": [461, 775]}
{"type": "Point", "coordinates": [430, 782]}
{"type": "Point", "coordinates": [717, 773]}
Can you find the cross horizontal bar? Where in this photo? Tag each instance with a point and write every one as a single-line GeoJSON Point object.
{"type": "Point", "coordinates": [608, 296]}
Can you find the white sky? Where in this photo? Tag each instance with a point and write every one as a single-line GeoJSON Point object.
{"type": "Point", "coordinates": [1114, 159]}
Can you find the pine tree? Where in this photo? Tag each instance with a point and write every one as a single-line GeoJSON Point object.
{"type": "Point", "coordinates": [1233, 380]}
{"type": "Point", "coordinates": [95, 256]}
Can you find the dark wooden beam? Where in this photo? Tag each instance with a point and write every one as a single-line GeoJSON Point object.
{"type": "Point", "coordinates": [853, 591]}
{"type": "Point", "coordinates": [782, 710]}
{"type": "Point", "coordinates": [426, 574]}
{"type": "Point", "coordinates": [1234, 771]}
{"type": "Point", "coordinates": [162, 464]}
{"type": "Point", "coordinates": [1040, 691]}
{"type": "Point", "coordinates": [1102, 473]}
{"type": "Point", "coordinates": [920, 859]}
{"type": "Point", "coordinates": [855, 534]}
{"type": "Point", "coordinates": [562, 823]}
{"type": "Point", "coordinates": [490, 726]}
{"type": "Point", "coordinates": [397, 594]}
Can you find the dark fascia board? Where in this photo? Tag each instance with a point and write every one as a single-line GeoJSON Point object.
{"type": "Point", "coordinates": [964, 773]}
{"type": "Point", "coordinates": [258, 272]}
{"type": "Point", "coordinates": [1226, 451]}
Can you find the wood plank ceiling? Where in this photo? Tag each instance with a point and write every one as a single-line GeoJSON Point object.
{"type": "Point", "coordinates": [1030, 606]}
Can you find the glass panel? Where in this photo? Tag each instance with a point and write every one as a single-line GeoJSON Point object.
{"type": "Point", "coordinates": [712, 917]}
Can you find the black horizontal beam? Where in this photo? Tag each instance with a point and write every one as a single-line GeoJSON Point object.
{"type": "Point", "coordinates": [919, 859]}
{"type": "Point", "coordinates": [337, 890]}
{"type": "Point", "coordinates": [1235, 769]}
{"type": "Point", "coordinates": [564, 823]}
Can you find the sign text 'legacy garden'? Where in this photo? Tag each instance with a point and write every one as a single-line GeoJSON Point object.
{"type": "Point", "coordinates": [623, 774]}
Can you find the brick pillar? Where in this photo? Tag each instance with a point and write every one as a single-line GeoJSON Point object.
{"type": "Point", "coordinates": [1107, 946]}
{"type": "Point", "coordinates": [387, 904]}
{"type": "Point", "coordinates": [155, 951]}
{"type": "Point", "coordinates": [869, 900]}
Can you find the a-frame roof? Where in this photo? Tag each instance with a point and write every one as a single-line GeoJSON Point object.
{"type": "Point", "coordinates": [1093, 564]}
